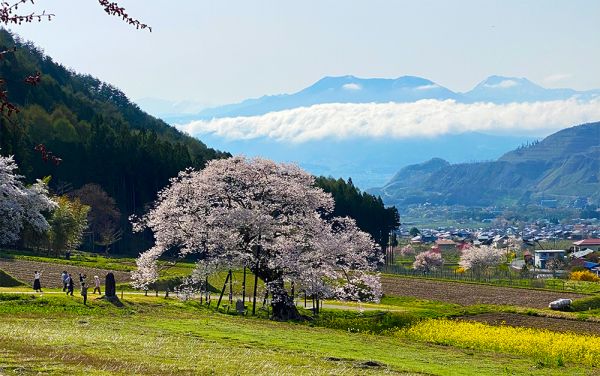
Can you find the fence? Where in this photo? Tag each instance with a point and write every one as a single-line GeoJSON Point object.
{"type": "Point", "coordinates": [493, 277]}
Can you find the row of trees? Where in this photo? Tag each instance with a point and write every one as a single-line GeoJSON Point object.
{"type": "Point", "coordinates": [29, 214]}
{"type": "Point", "coordinates": [32, 217]}
{"type": "Point", "coordinates": [476, 259]}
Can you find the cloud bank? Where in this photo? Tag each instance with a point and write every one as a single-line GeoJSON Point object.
{"type": "Point", "coordinates": [424, 118]}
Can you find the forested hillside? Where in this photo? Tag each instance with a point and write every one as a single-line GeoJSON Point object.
{"type": "Point", "coordinates": [369, 211]}
{"type": "Point", "coordinates": [103, 138]}
{"type": "Point", "coordinates": [564, 166]}
{"type": "Point", "coordinates": [98, 133]}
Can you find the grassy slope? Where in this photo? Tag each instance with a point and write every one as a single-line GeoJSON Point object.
{"type": "Point", "coordinates": [157, 336]}
{"type": "Point", "coordinates": [8, 281]}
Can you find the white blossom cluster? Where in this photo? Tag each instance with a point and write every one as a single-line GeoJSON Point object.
{"type": "Point", "coordinates": [428, 261]}
{"type": "Point", "coordinates": [481, 258]}
{"type": "Point", "coordinates": [20, 205]}
{"type": "Point", "coordinates": [268, 217]}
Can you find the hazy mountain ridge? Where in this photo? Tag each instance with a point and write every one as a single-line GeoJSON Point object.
{"type": "Point", "coordinates": [563, 166]}
{"type": "Point", "coordinates": [372, 162]}
{"type": "Point", "coordinates": [351, 89]}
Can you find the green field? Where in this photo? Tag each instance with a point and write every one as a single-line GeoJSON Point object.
{"type": "Point", "coordinates": [55, 334]}
{"type": "Point", "coordinates": [58, 335]}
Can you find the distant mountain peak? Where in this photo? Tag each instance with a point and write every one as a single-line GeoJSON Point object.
{"type": "Point", "coordinates": [404, 89]}
{"type": "Point", "coordinates": [502, 82]}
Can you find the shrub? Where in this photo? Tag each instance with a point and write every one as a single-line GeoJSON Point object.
{"type": "Point", "coordinates": [586, 304]}
{"type": "Point", "coordinates": [584, 275]}
{"type": "Point", "coordinates": [365, 322]}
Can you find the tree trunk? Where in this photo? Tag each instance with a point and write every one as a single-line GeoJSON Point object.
{"type": "Point", "coordinates": [283, 305]}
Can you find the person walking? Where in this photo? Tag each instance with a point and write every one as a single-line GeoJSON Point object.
{"type": "Point", "coordinates": [64, 278]}
{"type": "Point", "coordinates": [82, 278]}
{"type": "Point", "coordinates": [70, 285]}
{"type": "Point", "coordinates": [84, 292]}
{"type": "Point", "coordinates": [97, 285]}
{"type": "Point", "coordinates": [37, 283]}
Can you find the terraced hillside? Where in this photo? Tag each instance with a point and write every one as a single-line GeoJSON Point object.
{"type": "Point", "coordinates": [23, 270]}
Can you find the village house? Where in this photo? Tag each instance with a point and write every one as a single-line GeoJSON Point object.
{"type": "Point", "coordinates": [542, 256]}
{"type": "Point", "coordinates": [445, 245]}
{"type": "Point", "coordinates": [593, 244]}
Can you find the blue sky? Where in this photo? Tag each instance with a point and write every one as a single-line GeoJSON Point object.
{"type": "Point", "coordinates": [216, 52]}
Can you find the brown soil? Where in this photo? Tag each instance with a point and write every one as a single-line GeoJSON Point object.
{"type": "Point", "coordinates": [469, 294]}
{"type": "Point", "coordinates": [23, 271]}
{"type": "Point", "coordinates": [537, 322]}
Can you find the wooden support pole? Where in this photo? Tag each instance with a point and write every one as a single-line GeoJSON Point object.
{"type": "Point", "coordinates": [230, 287]}
{"type": "Point", "coordinates": [255, 283]}
{"type": "Point", "coordinates": [206, 289]}
{"type": "Point", "coordinates": [223, 291]}
{"type": "Point", "coordinates": [244, 286]}
{"type": "Point", "coordinates": [293, 293]}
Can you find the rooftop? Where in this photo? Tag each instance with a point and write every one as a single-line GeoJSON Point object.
{"type": "Point", "coordinates": [550, 251]}
{"type": "Point", "coordinates": [587, 242]}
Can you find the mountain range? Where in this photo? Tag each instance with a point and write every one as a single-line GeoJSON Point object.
{"type": "Point", "coordinates": [350, 89]}
{"type": "Point", "coordinates": [562, 167]}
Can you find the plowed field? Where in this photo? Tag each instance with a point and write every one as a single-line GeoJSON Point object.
{"type": "Point", "coordinates": [469, 294]}
{"type": "Point", "coordinates": [537, 322]}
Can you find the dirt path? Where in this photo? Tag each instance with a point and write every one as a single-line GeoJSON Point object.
{"type": "Point", "coordinates": [537, 322]}
{"type": "Point", "coordinates": [469, 294]}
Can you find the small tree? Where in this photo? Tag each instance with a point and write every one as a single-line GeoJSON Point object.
{"type": "Point", "coordinates": [480, 259]}
{"type": "Point", "coordinates": [67, 224]}
{"type": "Point", "coordinates": [407, 250]}
{"type": "Point", "coordinates": [428, 261]}
{"type": "Point", "coordinates": [554, 265]}
{"type": "Point", "coordinates": [21, 205]}
{"type": "Point", "coordinates": [103, 216]}
{"type": "Point", "coordinates": [414, 232]}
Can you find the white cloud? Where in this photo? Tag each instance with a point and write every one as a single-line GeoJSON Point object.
{"type": "Point", "coordinates": [424, 118]}
{"type": "Point", "coordinates": [554, 78]}
{"type": "Point", "coordinates": [504, 84]}
{"type": "Point", "coordinates": [351, 86]}
{"type": "Point", "coordinates": [428, 87]}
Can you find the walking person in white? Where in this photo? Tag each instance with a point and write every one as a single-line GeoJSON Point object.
{"type": "Point", "coordinates": [65, 280]}
{"type": "Point", "coordinates": [37, 284]}
{"type": "Point", "coordinates": [97, 285]}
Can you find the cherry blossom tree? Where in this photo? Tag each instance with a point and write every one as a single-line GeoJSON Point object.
{"type": "Point", "coordinates": [407, 250]}
{"type": "Point", "coordinates": [479, 259]}
{"type": "Point", "coordinates": [428, 261]}
{"type": "Point", "coordinates": [20, 205]}
{"type": "Point", "coordinates": [265, 216]}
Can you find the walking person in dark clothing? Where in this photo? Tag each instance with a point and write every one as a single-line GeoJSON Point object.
{"type": "Point", "coordinates": [84, 293]}
{"type": "Point", "coordinates": [37, 284]}
{"type": "Point", "coordinates": [70, 285]}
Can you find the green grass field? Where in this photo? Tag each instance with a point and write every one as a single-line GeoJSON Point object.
{"type": "Point", "coordinates": [58, 335]}
{"type": "Point", "coordinates": [55, 334]}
